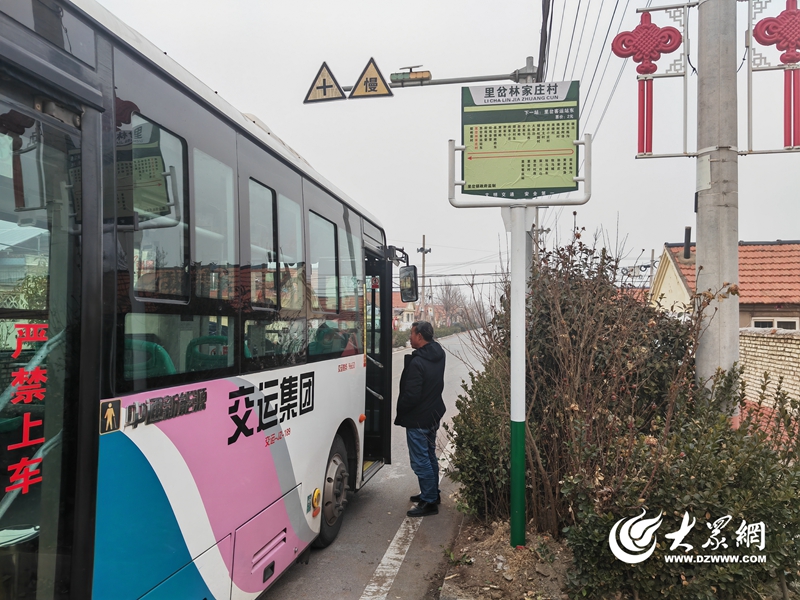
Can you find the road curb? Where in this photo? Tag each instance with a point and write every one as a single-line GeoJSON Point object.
{"type": "Point", "coordinates": [451, 591]}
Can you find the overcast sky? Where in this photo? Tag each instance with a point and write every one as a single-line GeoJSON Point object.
{"type": "Point", "coordinates": [390, 154]}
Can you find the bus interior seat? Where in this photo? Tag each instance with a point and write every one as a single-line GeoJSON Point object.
{"type": "Point", "coordinates": [215, 357]}
{"type": "Point", "coordinates": [327, 340]}
{"type": "Point", "coordinates": [145, 359]}
{"type": "Point", "coordinates": [10, 424]}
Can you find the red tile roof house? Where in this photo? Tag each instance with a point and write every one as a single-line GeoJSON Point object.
{"type": "Point", "coordinates": [769, 282]}
{"type": "Point", "coordinates": [402, 313]}
{"type": "Point", "coordinates": [769, 306]}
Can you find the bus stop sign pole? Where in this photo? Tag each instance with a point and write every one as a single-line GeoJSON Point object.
{"type": "Point", "coordinates": [519, 279]}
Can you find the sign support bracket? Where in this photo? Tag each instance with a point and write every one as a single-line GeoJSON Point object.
{"type": "Point", "coordinates": [492, 202]}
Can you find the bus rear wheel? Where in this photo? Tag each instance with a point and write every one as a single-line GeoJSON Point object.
{"type": "Point", "coordinates": [334, 494]}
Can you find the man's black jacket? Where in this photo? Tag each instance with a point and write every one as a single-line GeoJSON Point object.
{"type": "Point", "coordinates": [420, 403]}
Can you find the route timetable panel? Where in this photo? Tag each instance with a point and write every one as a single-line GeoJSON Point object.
{"type": "Point", "coordinates": [518, 139]}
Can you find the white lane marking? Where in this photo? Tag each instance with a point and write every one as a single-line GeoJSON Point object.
{"type": "Point", "coordinates": [384, 575]}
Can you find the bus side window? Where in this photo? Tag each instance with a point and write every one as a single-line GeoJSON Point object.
{"type": "Point", "coordinates": [157, 344]}
{"type": "Point", "coordinates": [322, 264]}
{"type": "Point", "coordinates": [292, 274]}
{"type": "Point", "coordinates": [214, 228]}
{"type": "Point", "coordinates": [151, 203]}
{"type": "Point", "coordinates": [351, 290]}
{"type": "Point", "coordinates": [160, 339]}
{"type": "Point", "coordinates": [273, 343]}
{"type": "Point", "coordinates": [263, 259]}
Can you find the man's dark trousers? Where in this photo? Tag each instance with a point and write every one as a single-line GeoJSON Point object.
{"type": "Point", "coordinates": [422, 454]}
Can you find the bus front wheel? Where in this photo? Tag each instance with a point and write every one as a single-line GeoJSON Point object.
{"type": "Point", "coordinates": [334, 494]}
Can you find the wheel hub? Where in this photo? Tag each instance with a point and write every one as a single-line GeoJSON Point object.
{"type": "Point", "coordinates": [335, 492]}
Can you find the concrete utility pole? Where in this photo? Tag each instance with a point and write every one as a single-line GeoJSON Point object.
{"type": "Point", "coordinates": [717, 184]}
{"type": "Point", "coordinates": [424, 251]}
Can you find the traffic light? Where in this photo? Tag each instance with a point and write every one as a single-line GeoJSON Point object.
{"type": "Point", "coordinates": [411, 77]}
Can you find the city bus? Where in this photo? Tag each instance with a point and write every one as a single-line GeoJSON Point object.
{"type": "Point", "coordinates": [195, 367]}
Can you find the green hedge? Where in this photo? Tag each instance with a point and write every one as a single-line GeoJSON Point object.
{"type": "Point", "coordinates": [707, 470]}
{"type": "Point", "coordinates": [616, 424]}
{"type": "Point", "coordinates": [399, 338]}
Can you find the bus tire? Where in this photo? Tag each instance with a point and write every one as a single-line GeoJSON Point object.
{"type": "Point", "coordinates": [334, 494]}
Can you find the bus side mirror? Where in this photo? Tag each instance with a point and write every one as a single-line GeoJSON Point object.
{"type": "Point", "coordinates": [408, 284]}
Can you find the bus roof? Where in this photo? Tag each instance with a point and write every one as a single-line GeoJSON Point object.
{"type": "Point", "coordinates": [253, 125]}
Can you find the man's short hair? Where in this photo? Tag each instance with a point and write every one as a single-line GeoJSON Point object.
{"type": "Point", "coordinates": [424, 329]}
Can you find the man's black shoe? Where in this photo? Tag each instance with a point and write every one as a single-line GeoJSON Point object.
{"type": "Point", "coordinates": [417, 498]}
{"type": "Point", "coordinates": [423, 509]}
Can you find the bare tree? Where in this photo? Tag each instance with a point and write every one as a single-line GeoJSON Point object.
{"type": "Point", "coordinates": [450, 298]}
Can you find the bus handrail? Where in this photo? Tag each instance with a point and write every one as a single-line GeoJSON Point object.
{"type": "Point", "coordinates": [376, 394]}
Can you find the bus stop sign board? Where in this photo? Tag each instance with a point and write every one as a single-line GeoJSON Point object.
{"type": "Point", "coordinates": [518, 139]}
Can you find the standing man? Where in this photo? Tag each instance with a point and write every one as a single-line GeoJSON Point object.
{"type": "Point", "coordinates": [420, 409]}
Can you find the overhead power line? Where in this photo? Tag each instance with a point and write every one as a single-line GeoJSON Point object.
{"type": "Point", "coordinates": [549, 38]}
{"type": "Point", "coordinates": [500, 274]}
{"type": "Point", "coordinates": [580, 42]}
{"type": "Point", "coordinates": [602, 77]}
{"type": "Point", "coordinates": [602, 47]}
{"type": "Point", "coordinates": [558, 41]}
{"type": "Point", "coordinates": [571, 39]}
{"type": "Point", "coordinates": [544, 41]}
{"type": "Point", "coordinates": [591, 43]}
{"type": "Point", "coordinates": [396, 288]}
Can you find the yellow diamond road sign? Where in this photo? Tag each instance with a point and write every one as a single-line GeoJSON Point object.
{"type": "Point", "coordinates": [325, 87]}
{"type": "Point", "coordinates": [371, 83]}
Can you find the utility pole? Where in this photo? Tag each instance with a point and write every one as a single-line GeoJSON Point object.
{"type": "Point", "coordinates": [424, 251]}
{"type": "Point", "coordinates": [717, 184]}
{"type": "Point", "coordinates": [529, 75]}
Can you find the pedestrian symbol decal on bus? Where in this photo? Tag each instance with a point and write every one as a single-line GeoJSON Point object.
{"type": "Point", "coordinates": [110, 412]}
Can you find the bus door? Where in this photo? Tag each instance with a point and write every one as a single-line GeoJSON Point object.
{"type": "Point", "coordinates": [378, 401]}
{"type": "Point", "coordinates": [42, 219]}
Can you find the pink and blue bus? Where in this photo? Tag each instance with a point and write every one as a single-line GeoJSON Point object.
{"type": "Point", "coordinates": [195, 365]}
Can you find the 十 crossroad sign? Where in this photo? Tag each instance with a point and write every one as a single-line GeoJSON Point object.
{"type": "Point", "coordinates": [325, 87]}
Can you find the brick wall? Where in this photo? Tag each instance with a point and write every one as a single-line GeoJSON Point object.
{"type": "Point", "coordinates": [776, 351]}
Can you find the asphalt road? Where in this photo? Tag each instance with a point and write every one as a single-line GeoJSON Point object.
{"type": "Point", "coordinates": [362, 564]}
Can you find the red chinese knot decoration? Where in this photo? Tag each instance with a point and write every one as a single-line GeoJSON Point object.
{"type": "Point", "coordinates": [645, 45]}
{"type": "Point", "coordinates": [784, 32]}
